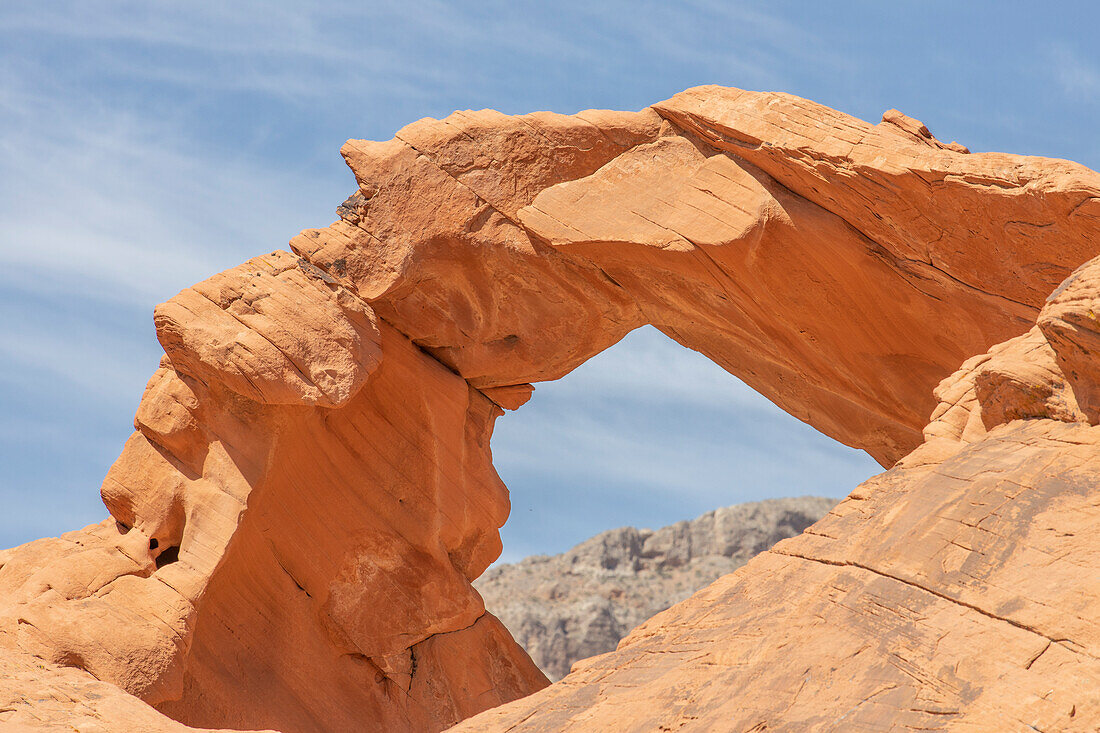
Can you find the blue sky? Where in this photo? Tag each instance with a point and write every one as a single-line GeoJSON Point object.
{"type": "Point", "coordinates": [145, 145]}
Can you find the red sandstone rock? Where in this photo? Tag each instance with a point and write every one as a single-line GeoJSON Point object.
{"type": "Point", "coordinates": [916, 130]}
{"type": "Point", "coordinates": [309, 492]}
{"type": "Point", "coordinates": [957, 591]}
{"type": "Point", "coordinates": [275, 330]}
{"type": "Point", "coordinates": [1003, 224]}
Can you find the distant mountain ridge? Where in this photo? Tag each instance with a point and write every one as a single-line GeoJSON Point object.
{"type": "Point", "coordinates": [578, 604]}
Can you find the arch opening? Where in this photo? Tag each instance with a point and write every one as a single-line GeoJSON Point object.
{"type": "Point", "coordinates": [648, 433]}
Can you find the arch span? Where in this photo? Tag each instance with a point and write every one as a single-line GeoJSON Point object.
{"type": "Point", "coordinates": [313, 452]}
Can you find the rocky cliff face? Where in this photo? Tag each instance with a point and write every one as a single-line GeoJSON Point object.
{"type": "Point", "coordinates": [296, 521]}
{"type": "Point", "coordinates": [568, 607]}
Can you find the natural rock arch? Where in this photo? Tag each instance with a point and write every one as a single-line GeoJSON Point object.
{"type": "Point", "coordinates": [313, 453]}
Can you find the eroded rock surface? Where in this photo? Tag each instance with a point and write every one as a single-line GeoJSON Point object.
{"type": "Point", "coordinates": [957, 591]}
{"type": "Point", "coordinates": [308, 493]}
{"type": "Point", "coordinates": [568, 607]}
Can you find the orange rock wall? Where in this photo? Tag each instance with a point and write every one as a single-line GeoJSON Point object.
{"type": "Point", "coordinates": [309, 491]}
{"type": "Point", "coordinates": [957, 591]}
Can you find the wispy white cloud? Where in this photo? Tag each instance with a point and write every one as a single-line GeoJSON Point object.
{"type": "Point", "coordinates": [1075, 74]}
{"type": "Point", "coordinates": [125, 207]}
{"type": "Point", "coordinates": [291, 52]}
{"type": "Point", "coordinates": [40, 348]}
{"type": "Point", "coordinates": [307, 51]}
{"type": "Point", "coordinates": [755, 48]}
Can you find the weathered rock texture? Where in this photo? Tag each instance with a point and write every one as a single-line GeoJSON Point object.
{"type": "Point", "coordinates": [957, 591]}
{"type": "Point", "coordinates": [578, 604]}
{"type": "Point", "coordinates": [309, 492]}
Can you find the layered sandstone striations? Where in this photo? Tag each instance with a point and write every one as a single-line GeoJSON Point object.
{"type": "Point", "coordinates": [578, 604]}
{"type": "Point", "coordinates": [957, 591]}
{"type": "Point", "coordinates": [308, 493]}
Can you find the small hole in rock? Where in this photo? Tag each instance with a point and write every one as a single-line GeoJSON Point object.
{"type": "Point", "coordinates": [169, 556]}
{"type": "Point", "coordinates": [153, 544]}
{"type": "Point", "coordinates": [71, 659]}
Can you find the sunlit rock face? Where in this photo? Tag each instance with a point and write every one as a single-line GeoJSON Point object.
{"type": "Point", "coordinates": [957, 591]}
{"type": "Point", "coordinates": [309, 491]}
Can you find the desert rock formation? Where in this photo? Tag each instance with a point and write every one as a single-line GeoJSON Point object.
{"type": "Point", "coordinates": [578, 604]}
{"type": "Point", "coordinates": [296, 520]}
{"type": "Point", "coordinates": [957, 591]}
